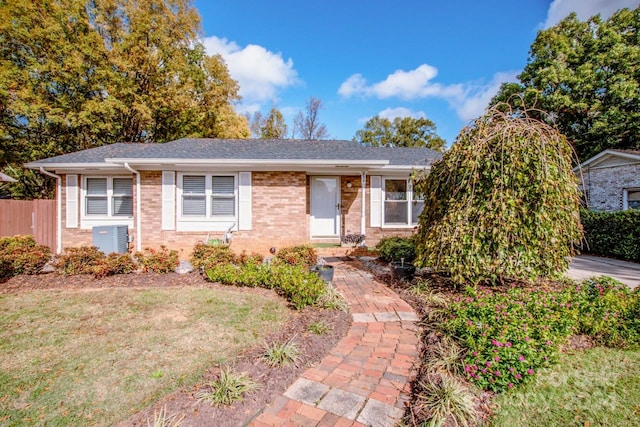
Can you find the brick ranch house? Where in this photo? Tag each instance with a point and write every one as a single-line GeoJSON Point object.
{"type": "Point", "coordinates": [267, 193]}
{"type": "Point", "coordinates": [610, 180]}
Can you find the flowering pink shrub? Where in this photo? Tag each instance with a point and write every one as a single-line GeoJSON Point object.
{"type": "Point", "coordinates": [510, 336]}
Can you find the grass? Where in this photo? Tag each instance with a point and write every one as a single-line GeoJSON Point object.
{"type": "Point", "coordinates": [597, 387]}
{"type": "Point", "coordinates": [94, 357]}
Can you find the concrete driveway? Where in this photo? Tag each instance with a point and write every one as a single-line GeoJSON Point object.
{"type": "Point", "coordinates": [583, 266]}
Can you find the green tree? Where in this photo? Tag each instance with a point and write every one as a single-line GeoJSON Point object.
{"type": "Point", "coordinates": [401, 132]}
{"type": "Point", "coordinates": [307, 125]}
{"type": "Point", "coordinates": [586, 75]}
{"type": "Point", "coordinates": [76, 74]}
{"type": "Point", "coordinates": [272, 126]}
{"type": "Point", "coordinates": [503, 203]}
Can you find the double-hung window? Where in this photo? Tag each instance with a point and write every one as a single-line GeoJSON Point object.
{"type": "Point", "coordinates": [401, 206]}
{"type": "Point", "coordinates": [209, 196]}
{"type": "Point", "coordinates": [109, 197]}
{"type": "Point", "coordinates": [223, 196]}
{"type": "Point", "coordinates": [194, 195]}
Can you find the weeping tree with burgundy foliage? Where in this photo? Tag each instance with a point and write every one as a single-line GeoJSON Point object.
{"type": "Point", "coordinates": [502, 204]}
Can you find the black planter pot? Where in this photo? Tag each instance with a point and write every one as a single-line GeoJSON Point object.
{"type": "Point", "coordinates": [401, 271]}
{"type": "Point", "coordinates": [324, 271]}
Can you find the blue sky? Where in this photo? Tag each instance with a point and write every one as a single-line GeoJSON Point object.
{"type": "Point", "coordinates": [443, 60]}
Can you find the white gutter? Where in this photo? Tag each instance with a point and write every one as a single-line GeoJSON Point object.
{"type": "Point", "coordinates": [138, 208]}
{"type": "Point", "coordinates": [363, 217]}
{"type": "Point", "coordinates": [346, 164]}
{"type": "Point", "coordinates": [58, 207]}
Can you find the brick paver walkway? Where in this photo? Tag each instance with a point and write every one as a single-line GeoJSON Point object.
{"type": "Point", "coordinates": [364, 380]}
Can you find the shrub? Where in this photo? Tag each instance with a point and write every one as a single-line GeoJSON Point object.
{"type": "Point", "coordinates": [21, 255]}
{"type": "Point", "coordinates": [302, 256]}
{"type": "Point", "coordinates": [80, 260]}
{"type": "Point", "coordinates": [297, 284]}
{"type": "Point", "coordinates": [228, 388]}
{"type": "Point", "coordinates": [502, 203]}
{"type": "Point", "coordinates": [114, 264]}
{"type": "Point", "coordinates": [158, 261]}
{"type": "Point", "coordinates": [208, 255]}
{"type": "Point", "coordinates": [608, 312]}
{"type": "Point", "coordinates": [614, 234]}
{"type": "Point", "coordinates": [394, 249]}
{"type": "Point", "coordinates": [509, 336]}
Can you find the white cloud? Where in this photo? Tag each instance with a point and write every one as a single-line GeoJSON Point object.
{"type": "Point", "coordinates": [392, 113]}
{"type": "Point", "coordinates": [469, 100]}
{"type": "Point", "coordinates": [259, 72]}
{"type": "Point", "coordinates": [585, 9]}
{"type": "Point", "coordinates": [476, 98]}
{"type": "Point", "coordinates": [402, 84]}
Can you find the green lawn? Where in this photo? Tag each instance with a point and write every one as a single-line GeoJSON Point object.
{"type": "Point", "coordinates": [598, 387]}
{"type": "Point", "coordinates": [93, 357]}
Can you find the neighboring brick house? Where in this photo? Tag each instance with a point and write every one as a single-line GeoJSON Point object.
{"type": "Point", "coordinates": [268, 193]}
{"type": "Point", "coordinates": [610, 181]}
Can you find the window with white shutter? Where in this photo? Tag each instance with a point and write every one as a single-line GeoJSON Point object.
{"type": "Point", "coordinates": [207, 202]}
{"type": "Point", "coordinates": [402, 207]}
{"type": "Point", "coordinates": [223, 196]}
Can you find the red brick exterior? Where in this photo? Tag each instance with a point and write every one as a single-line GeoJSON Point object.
{"type": "Point", "coordinates": [280, 215]}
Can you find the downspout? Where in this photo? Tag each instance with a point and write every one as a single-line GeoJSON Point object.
{"type": "Point", "coordinates": [363, 216]}
{"type": "Point", "coordinates": [58, 207]}
{"type": "Point", "coordinates": [138, 208]}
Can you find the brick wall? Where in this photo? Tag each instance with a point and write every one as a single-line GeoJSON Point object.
{"type": "Point", "coordinates": [280, 212]}
{"type": "Point", "coordinates": [280, 215]}
{"type": "Point", "coordinates": [605, 184]}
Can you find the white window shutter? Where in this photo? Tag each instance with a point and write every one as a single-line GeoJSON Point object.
{"type": "Point", "coordinates": [72, 201]}
{"type": "Point", "coordinates": [168, 200]}
{"type": "Point", "coordinates": [375, 197]}
{"type": "Point", "coordinates": [244, 201]}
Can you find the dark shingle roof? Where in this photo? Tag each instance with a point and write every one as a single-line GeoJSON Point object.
{"type": "Point", "coordinates": [98, 154]}
{"type": "Point", "coordinates": [249, 149]}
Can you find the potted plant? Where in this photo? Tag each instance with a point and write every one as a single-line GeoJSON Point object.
{"type": "Point", "coordinates": [323, 270]}
{"type": "Point", "coordinates": [352, 240]}
{"type": "Point", "coordinates": [402, 270]}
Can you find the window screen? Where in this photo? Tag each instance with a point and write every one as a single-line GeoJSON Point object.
{"type": "Point", "coordinates": [122, 196]}
{"type": "Point", "coordinates": [96, 199]}
{"type": "Point", "coordinates": [223, 200]}
{"type": "Point", "coordinates": [194, 195]}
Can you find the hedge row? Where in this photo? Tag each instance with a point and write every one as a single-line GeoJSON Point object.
{"type": "Point", "coordinates": [613, 234]}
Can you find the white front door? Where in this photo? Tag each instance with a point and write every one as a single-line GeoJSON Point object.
{"type": "Point", "coordinates": [325, 206]}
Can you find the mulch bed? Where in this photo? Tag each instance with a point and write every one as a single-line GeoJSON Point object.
{"type": "Point", "coordinates": [274, 381]}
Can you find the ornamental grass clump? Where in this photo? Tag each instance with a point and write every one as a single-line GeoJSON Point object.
{"type": "Point", "coordinates": [503, 203]}
{"type": "Point", "coordinates": [230, 387]}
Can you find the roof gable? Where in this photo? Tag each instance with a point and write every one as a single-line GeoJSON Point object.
{"type": "Point", "coordinates": [611, 158]}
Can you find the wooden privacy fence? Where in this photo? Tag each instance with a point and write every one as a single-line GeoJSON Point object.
{"type": "Point", "coordinates": [37, 217]}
